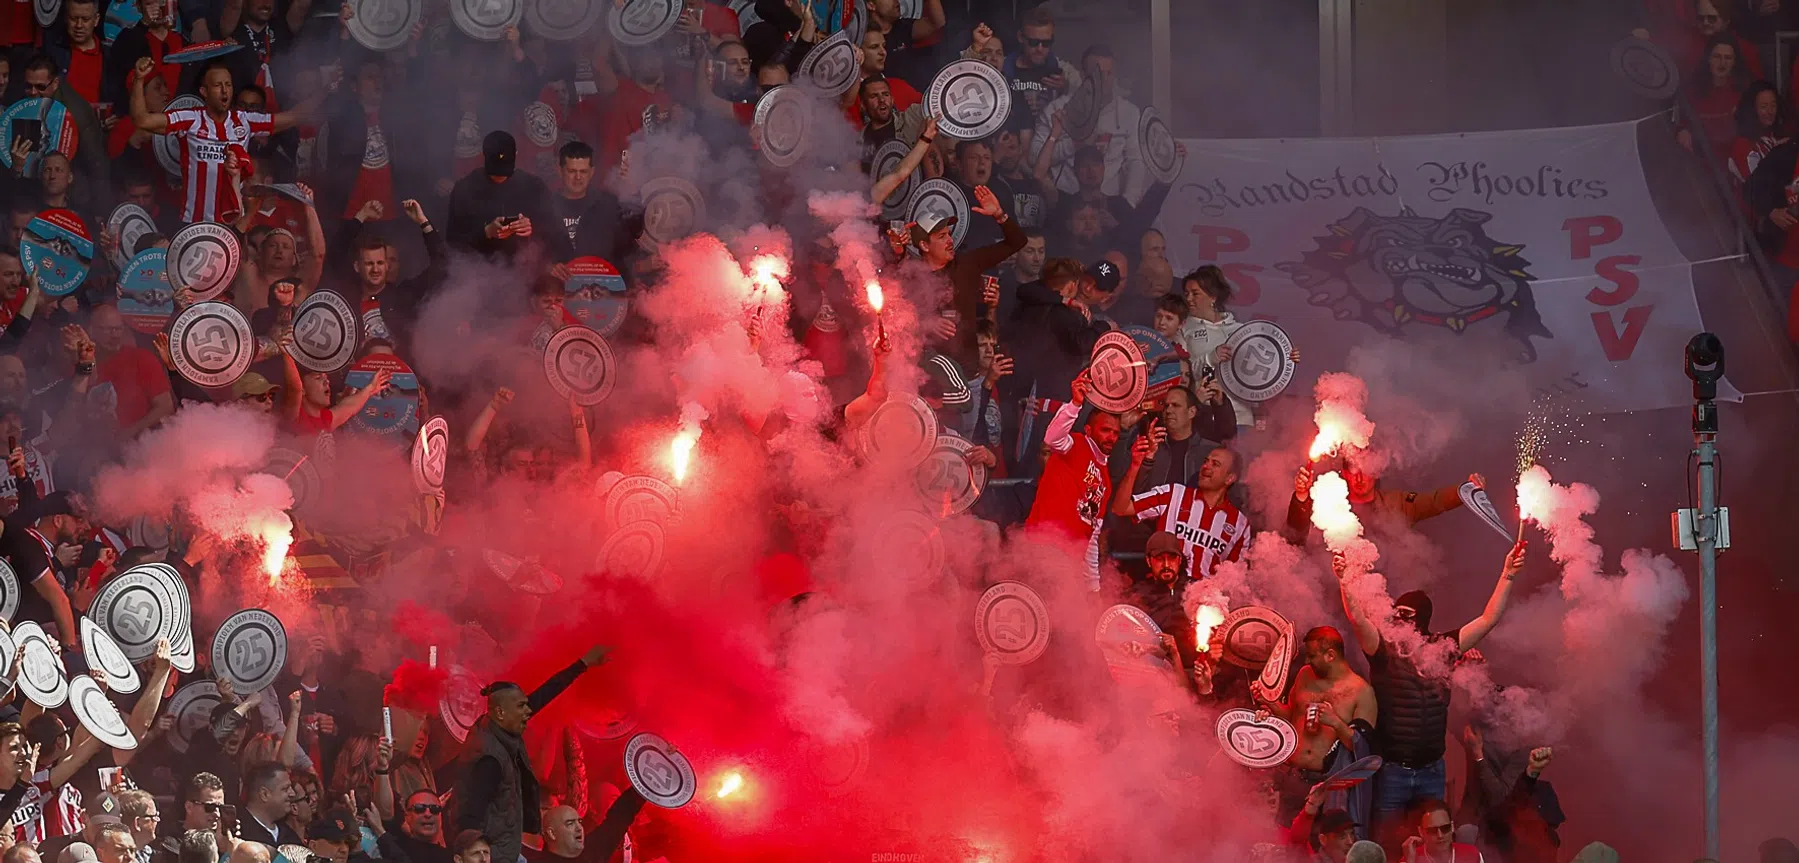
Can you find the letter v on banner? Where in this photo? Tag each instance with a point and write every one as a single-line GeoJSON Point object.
{"type": "Point", "coordinates": [1620, 345]}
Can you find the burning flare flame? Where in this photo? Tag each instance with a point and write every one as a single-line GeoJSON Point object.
{"type": "Point", "coordinates": [276, 540]}
{"type": "Point", "coordinates": [733, 783]}
{"type": "Point", "coordinates": [766, 275]}
{"type": "Point", "coordinates": [680, 452]}
{"type": "Point", "coordinates": [1205, 619]}
{"type": "Point", "coordinates": [1535, 494]}
{"type": "Point", "coordinates": [875, 298]}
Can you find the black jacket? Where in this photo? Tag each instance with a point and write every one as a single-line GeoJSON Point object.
{"type": "Point", "coordinates": [1050, 340]}
{"type": "Point", "coordinates": [478, 787]}
{"type": "Point", "coordinates": [402, 301]}
{"type": "Point", "coordinates": [477, 200]}
{"type": "Point", "coordinates": [1766, 191]}
{"type": "Point", "coordinates": [603, 228]}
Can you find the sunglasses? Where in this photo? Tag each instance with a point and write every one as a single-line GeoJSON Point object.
{"type": "Point", "coordinates": [212, 808]}
{"type": "Point", "coordinates": [1441, 829]}
{"type": "Point", "coordinates": [422, 808]}
{"type": "Point", "coordinates": [1039, 43]}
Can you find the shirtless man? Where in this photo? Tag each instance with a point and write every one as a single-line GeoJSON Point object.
{"type": "Point", "coordinates": [1346, 710]}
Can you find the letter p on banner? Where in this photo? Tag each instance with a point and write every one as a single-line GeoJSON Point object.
{"type": "Point", "coordinates": [1586, 233]}
{"type": "Point", "coordinates": [1215, 240]}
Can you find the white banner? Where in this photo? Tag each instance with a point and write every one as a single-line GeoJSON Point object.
{"type": "Point", "coordinates": [1545, 238]}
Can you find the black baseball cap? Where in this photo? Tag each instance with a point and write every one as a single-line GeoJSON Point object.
{"type": "Point", "coordinates": [499, 154]}
{"type": "Point", "coordinates": [1105, 276]}
{"type": "Point", "coordinates": [337, 825]}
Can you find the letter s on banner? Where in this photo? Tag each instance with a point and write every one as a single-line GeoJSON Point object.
{"type": "Point", "coordinates": [1612, 270]}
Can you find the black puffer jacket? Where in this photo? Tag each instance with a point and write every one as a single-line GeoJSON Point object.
{"type": "Point", "coordinates": [1414, 709]}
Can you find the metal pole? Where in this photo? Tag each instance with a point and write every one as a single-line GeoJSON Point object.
{"type": "Point", "coordinates": [1706, 528]}
{"type": "Point", "coordinates": [1161, 60]}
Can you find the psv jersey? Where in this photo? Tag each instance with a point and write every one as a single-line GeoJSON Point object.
{"type": "Point", "coordinates": [1075, 486]}
{"type": "Point", "coordinates": [1207, 534]}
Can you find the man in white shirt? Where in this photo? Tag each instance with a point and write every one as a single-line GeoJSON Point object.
{"type": "Point", "coordinates": [1115, 132]}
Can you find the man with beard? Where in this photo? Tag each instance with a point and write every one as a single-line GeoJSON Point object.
{"type": "Point", "coordinates": [418, 836]}
{"type": "Point", "coordinates": [1410, 679]}
{"type": "Point", "coordinates": [874, 65]}
{"type": "Point", "coordinates": [1209, 527]}
{"type": "Point", "coordinates": [1334, 711]}
{"type": "Point", "coordinates": [1036, 75]}
{"type": "Point", "coordinates": [497, 794]}
{"type": "Point", "coordinates": [1159, 595]}
{"type": "Point", "coordinates": [494, 209]}
{"type": "Point", "coordinates": [884, 121]}
{"type": "Point", "coordinates": [36, 541]}
{"type": "Point", "coordinates": [1074, 487]}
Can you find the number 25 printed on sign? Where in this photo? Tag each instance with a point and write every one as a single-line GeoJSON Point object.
{"type": "Point", "coordinates": [251, 652]}
{"type": "Point", "coordinates": [212, 344]}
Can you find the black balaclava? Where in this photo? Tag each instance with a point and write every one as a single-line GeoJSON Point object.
{"type": "Point", "coordinates": [1418, 601]}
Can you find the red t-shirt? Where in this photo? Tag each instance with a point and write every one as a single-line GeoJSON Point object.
{"type": "Point", "coordinates": [1075, 485]}
{"type": "Point", "coordinates": [624, 117]}
{"type": "Point", "coordinates": [904, 95]}
{"type": "Point", "coordinates": [375, 180]}
{"type": "Point", "coordinates": [138, 377]}
{"type": "Point", "coordinates": [307, 425]}
{"type": "Point", "coordinates": [286, 214]}
{"type": "Point", "coordinates": [84, 72]}
{"type": "Point", "coordinates": [160, 48]}
{"type": "Point", "coordinates": [18, 25]}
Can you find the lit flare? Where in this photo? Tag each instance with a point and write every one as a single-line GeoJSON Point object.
{"type": "Point", "coordinates": [681, 452]}
{"type": "Point", "coordinates": [876, 298]}
{"type": "Point", "coordinates": [276, 540]}
{"type": "Point", "coordinates": [766, 274]}
{"type": "Point", "coordinates": [1535, 494]}
{"type": "Point", "coordinates": [733, 783]}
{"type": "Point", "coordinates": [1331, 512]}
{"type": "Point", "coordinates": [1205, 619]}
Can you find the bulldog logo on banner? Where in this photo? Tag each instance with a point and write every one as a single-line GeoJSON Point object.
{"type": "Point", "coordinates": [1538, 250]}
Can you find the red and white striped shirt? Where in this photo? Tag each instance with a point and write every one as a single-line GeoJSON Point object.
{"type": "Point", "coordinates": [46, 812]}
{"type": "Point", "coordinates": [1207, 534]}
{"type": "Point", "coordinates": [206, 144]}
